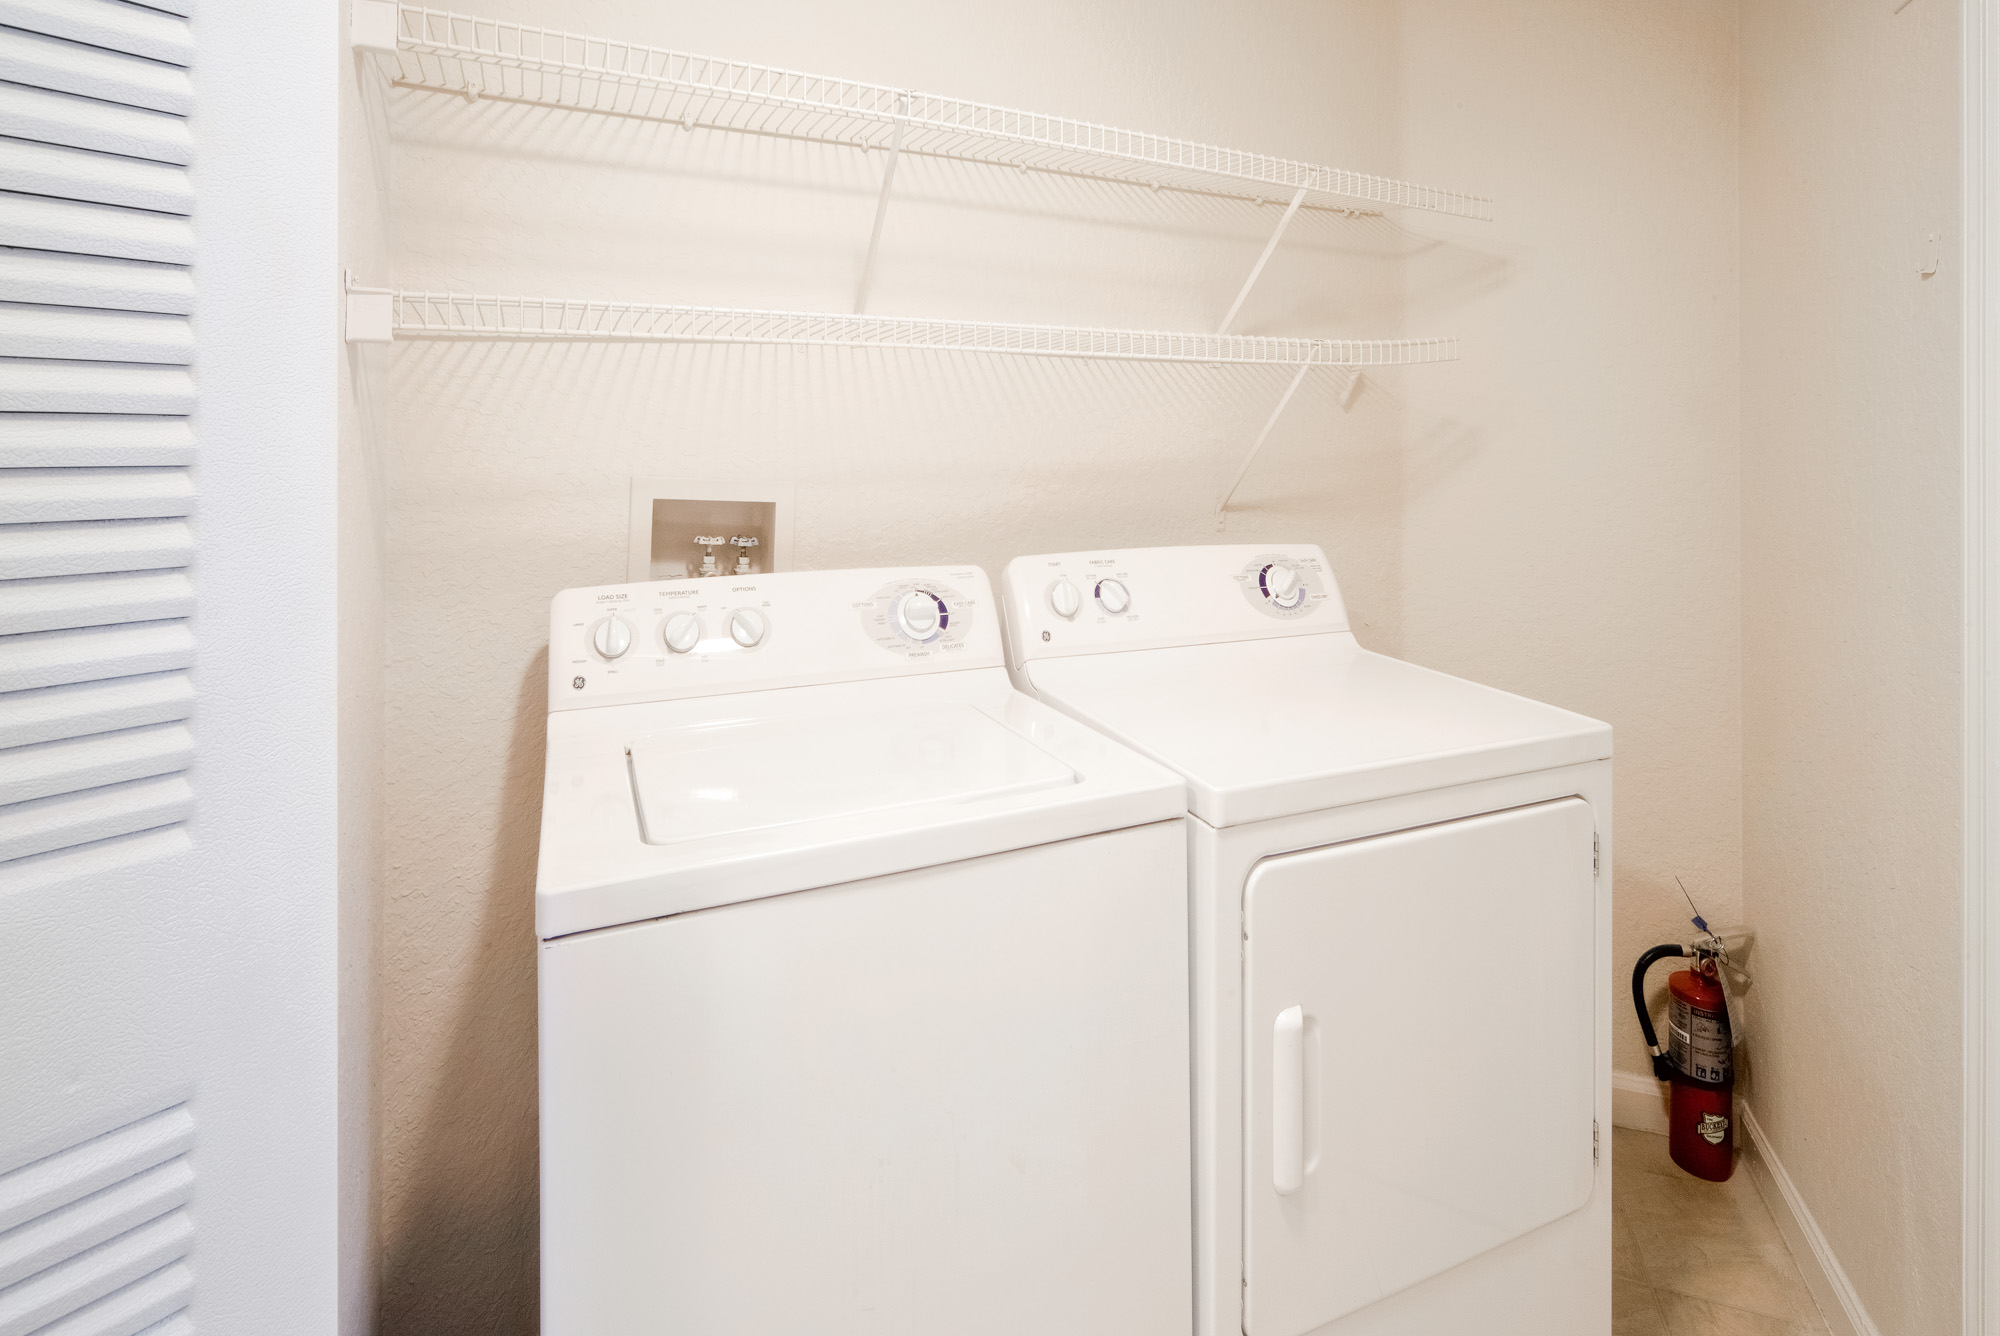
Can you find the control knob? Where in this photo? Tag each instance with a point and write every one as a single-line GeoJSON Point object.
{"type": "Point", "coordinates": [611, 638]}
{"type": "Point", "coordinates": [682, 632]}
{"type": "Point", "coordinates": [1114, 596]}
{"type": "Point", "coordinates": [746, 627]}
{"type": "Point", "coordinates": [920, 613]}
{"type": "Point", "coordinates": [1282, 583]}
{"type": "Point", "coordinates": [1064, 598]}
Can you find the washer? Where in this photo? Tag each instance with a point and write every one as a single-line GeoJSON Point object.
{"type": "Point", "coordinates": [863, 977]}
{"type": "Point", "coordinates": [1401, 946]}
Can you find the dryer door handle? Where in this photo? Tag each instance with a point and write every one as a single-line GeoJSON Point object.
{"type": "Point", "coordinates": [1288, 1101]}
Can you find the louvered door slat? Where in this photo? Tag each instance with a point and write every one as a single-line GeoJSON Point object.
{"type": "Point", "coordinates": [95, 282]}
{"type": "Point", "coordinates": [63, 602]}
{"type": "Point", "coordinates": [82, 228]}
{"type": "Point", "coordinates": [84, 708]}
{"type": "Point", "coordinates": [104, 1215]}
{"type": "Point", "coordinates": [37, 496]}
{"type": "Point", "coordinates": [53, 658]}
{"type": "Point", "coordinates": [60, 1291]}
{"type": "Point", "coordinates": [64, 118]}
{"type": "Point", "coordinates": [96, 387]}
{"type": "Point", "coordinates": [103, 178]}
{"type": "Point", "coordinates": [44, 824]}
{"type": "Point", "coordinates": [89, 71]}
{"type": "Point", "coordinates": [136, 1309]}
{"type": "Point", "coordinates": [76, 334]}
{"type": "Point", "coordinates": [40, 440]}
{"type": "Point", "coordinates": [136, 29]}
{"type": "Point", "coordinates": [28, 551]}
{"type": "Point", "coordinates": [46, 769]}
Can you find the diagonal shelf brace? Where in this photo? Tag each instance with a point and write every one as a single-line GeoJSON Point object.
{"type": "Point", "coordinates": [1257, 270]}
{"type": "Point", "coordinates": [1258, 445]}
{"type": "Point", "coordinates": [881, 212]}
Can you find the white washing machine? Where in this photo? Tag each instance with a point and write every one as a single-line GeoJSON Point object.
{"type": "Point", "coordinates": [863, 977]}
{"type": "Point", "coordinates": [1401, 942]}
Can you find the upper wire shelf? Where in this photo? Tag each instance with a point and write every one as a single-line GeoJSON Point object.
{"type": "Point", "coordinates": [476, 57]}
{"type": "Point", "coordinates": [466, 316]}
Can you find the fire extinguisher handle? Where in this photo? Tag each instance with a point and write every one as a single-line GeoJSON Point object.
{"type": "Point", "coordinates": [1663, 1066]}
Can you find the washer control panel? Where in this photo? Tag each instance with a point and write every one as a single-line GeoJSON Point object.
{"type": "Point", "coordinates": [1099, 602]}
{"type": "Point", "coordinates": [669, 639]}
{"type": "Point", "coordinates": [919, 618]}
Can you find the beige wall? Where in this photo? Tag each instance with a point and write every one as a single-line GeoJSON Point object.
{"type": "Point", "coordinates": [364, 426]}
{"type": "Point", "coordinates": [1851, 609]}
{"type": "Point", "coordinates": [1555, 514]}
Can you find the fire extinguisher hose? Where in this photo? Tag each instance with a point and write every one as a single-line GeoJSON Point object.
{"type": "Point", "coordinates": [1663, 1066]}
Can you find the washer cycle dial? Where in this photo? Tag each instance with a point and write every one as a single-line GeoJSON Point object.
{"type": "Point", "coordinates": [1113, 596]}
{"type": "Point", "coordinates": [747, 627]}
{"type": "Point", "coordinates": [682, 632]}
{"type": "Point", "coordinates": [611, 637]}
{"type": "Point", "coordinates": [920, 614]}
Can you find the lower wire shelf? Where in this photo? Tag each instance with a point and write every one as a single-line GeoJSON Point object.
{"type": "Point", "coordinates": [377, 314]}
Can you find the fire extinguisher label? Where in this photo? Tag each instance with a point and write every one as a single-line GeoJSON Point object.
{"type": "Point", "coordinates": [1714, 1127]}
{"type": "Point", "coordinates": [1698, 1041]}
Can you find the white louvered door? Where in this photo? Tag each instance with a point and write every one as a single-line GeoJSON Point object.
{"type": "Point", "coordinates": [131, 1163]}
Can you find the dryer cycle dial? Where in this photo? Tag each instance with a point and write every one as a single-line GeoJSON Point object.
{"type": "Point", "coordinates": [1283, 586]}
{"type": "Point", "coordinates": [1113, 596]}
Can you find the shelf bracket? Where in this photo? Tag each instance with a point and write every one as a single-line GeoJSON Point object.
{"type": "Point", "coordinates": [374, 26]}
{"type": "Point", "coordinates": [1257, 270]}
{"type": "Point", "coordinates": [371, 312]}
{"type": "Point", "coordinates": [881, 212]}
{"type": "Point", "coordinates": [1258, 445]}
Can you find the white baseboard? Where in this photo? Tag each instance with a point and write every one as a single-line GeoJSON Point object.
{"type": "Point", "coordinates": [1638, 1102]}
{"type": "Point", "coordinates": [1830, 1287]}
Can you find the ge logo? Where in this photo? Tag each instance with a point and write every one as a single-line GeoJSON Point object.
{"type": "Point", "coordinates": [1045, 635]}
{"type": "Point", "coordinates": [576, 682]}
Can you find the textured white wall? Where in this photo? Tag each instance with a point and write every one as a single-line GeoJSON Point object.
{"type": "Point", "coordinates": [1556, 514]}
{"type": "Point", "coordinates": [1851, 496]}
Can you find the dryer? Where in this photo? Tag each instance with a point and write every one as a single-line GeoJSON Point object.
{"type": "Point", "coordinates": [1401, 946]}
{"type": "Point", "coordinates": [862, 976]}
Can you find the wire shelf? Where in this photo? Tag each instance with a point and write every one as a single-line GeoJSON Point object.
{"type": "Point", "coordinates": [463, 316]}
{"type": "Point", "coordinates": [475, 57]}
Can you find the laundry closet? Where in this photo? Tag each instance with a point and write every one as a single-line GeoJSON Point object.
{"type": "Point", "coordinates": [1499, 374]}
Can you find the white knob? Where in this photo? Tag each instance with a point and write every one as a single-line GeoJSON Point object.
{"type": "Point", "coordinates": [1114, 596]}
{"type": "Point", "coordinates": [612, 637]}
{"type": "Point", "coordinates": [1283, 584]}
{"type": "Point", "coordinates": [746, 626]}
{"type": "Point", "coordinates": [1064, 598]}
{"type": "Point", "coordinates": [919, 614]}
{"type": "Point", "coordinates": [681, 632]}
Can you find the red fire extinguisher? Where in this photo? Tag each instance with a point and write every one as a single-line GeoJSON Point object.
{"type": "Point", "coordinates": [1698, 1061]}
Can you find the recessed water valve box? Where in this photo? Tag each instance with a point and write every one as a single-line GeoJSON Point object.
{"type": "Point", "coordinates": [690, 527]}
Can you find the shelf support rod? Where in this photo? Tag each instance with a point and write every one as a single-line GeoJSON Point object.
{"type": "Point", "coordinates": [1258, 444]}
{"type": "Point", "coordinates": [1257, 270]}
{"type": "Point", "coordinates": [881, 212]}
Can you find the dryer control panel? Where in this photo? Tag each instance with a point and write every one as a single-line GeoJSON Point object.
{"type": "Point", "coordinates": [1148, 598]}
{"type": "Point", "coordinates": [671, 639]}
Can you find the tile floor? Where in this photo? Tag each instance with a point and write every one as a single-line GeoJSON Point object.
{"type": "Point", "coordinates": [1690, 1258]}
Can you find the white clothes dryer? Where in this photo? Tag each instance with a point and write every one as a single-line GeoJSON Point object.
{"type": "Point", "coordinates": [1401, 933]}
{"type": "Point", "coordinates": [863, 977]}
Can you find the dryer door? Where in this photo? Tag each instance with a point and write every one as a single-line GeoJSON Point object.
{"type": "Point", "coordinates": [1419, 1040]}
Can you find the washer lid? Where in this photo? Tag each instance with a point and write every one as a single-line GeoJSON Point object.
{"type": "Point", "coordinates": [662, 807]}
{"type": "Point", "coordinates": [1269, 728]}
{"type": "Point", "coordinates": [724, 776]}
